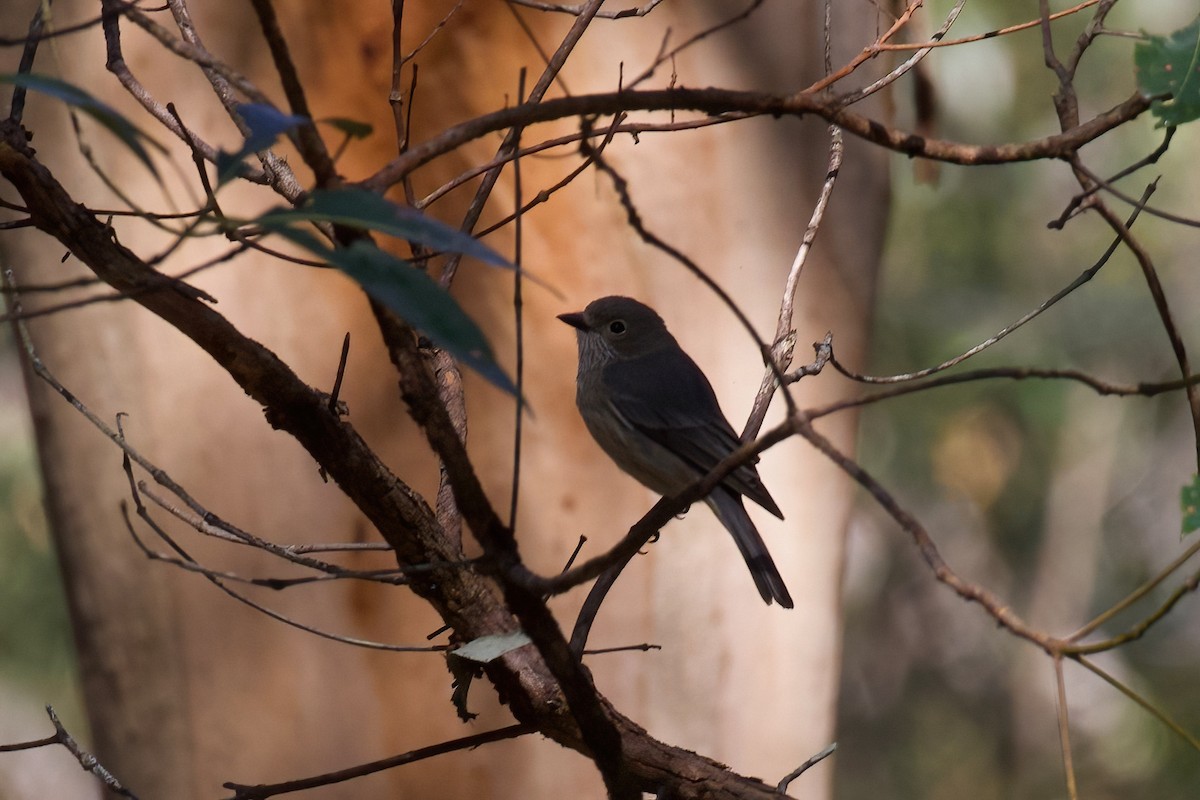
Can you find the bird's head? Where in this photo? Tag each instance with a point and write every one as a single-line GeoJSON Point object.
{"type": "Point", "coordinates": [620, 326]}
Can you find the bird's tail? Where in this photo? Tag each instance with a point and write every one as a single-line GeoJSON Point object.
{"type": "Point", "coordinates": [730, 509]}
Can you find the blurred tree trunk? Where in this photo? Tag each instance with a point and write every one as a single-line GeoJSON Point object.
{"type": "Point", "coordinates": [187, 689]}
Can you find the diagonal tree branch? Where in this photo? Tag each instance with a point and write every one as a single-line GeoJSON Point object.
{"type": "Point", "coordinates": [553, 693]}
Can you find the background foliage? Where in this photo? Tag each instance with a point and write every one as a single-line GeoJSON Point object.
{"type": "Point", "coordinates": [1061, 500]}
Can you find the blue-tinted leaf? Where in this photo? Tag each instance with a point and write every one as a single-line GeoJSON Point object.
{"type": "Point", "coordinates": [266, 124]}
{"type": "Point", "coordinates": [103, 113]}
{"type": "Point", "coordinates": [359, 208]}
{"type": "Point", "coordinates": [1189, 501]}
{"type": "Point", "coordinates": [412, 295]}
{"type": "Point", "coordinates": [353, 128]}
{"type": "Point", "coordinates": [305, 239]}
{"type": "Point", "coordinates": [1171, 65]}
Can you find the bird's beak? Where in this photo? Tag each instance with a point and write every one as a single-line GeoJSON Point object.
{"type": "Point", "coordinates": [575, 320]}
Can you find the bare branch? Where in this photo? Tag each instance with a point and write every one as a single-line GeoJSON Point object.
{"type": "Point", "coordinates": [1064, 730]}
{"type": "Point", "coordinates": [308, 140]}
{"type": "Point", "coordinates": [800, 770]}
{"type": "Point", "coordinates": [259, 791]}
{"type": "Point", "coordinates": [783, 347]}
{"type": "Point", "coordinates": [723, 101]}
{"type": "Point", "coordinates": [1083, 278]}
{"type": "Point", "coordinates": [577, 10]}
{"type": "Point", "coordinates": [1156, 712]}
{"type": "Point", "coordinates": [1024, 26]}
{"type": "Point", "coordinates": [86, 760]}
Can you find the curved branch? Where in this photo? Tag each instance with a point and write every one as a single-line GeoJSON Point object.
{"type": "Point", "coordinates": [726, 101]}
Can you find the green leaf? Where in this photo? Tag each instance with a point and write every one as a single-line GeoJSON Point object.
{"type": "Point", "coordinates": [266, 124]}
{"type": "Point", "coordinates": [414, 296]}
{"type": "Point", "coordinates": [353, 128]}
{"type": "Point", "coordinates": [103, 113]}
{"type": "Point", "coordinates": [1171, 65]}
{"type": "Point", "coordinates": [1189, 501]}
{"type": "Point", "coordinates": [417, 298]}
{"type": "Point", "coordinates": [489, 648]}
{"type": "Point", "coordinates": [359, 208]}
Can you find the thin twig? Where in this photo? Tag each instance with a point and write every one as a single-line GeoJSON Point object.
{"type": "Point", "coordinates": [518, 319]}
{"type": "Point", "coordinates": [1083, 278]}
{"type": "Point", "coordinates": [86, 760]}
{"type": "Point", "coordinates": [341, 373]}
{"type": "Point", "coordinates": [575, 11]}
{"type": "Point", "coordinates": [227, 85]}
{"type": "Point", "coordinates": [383, 576]}
{"type": "Point", "coordinates": [666, 55]}
{"type": "Point", "coordinates": [800, 770]}
{"type": "Point", "coordinates": [217, 580]}
{"type": "Point", "coordinates": [784, 346]}
{"type": "Point", "coordinates": [1139, 630]}
{"type": "Point", "coordinates": [1006, 373]}
{"type": "Point", "coordinates": [16, 109]}
{"type": "Point", "coordinates": [870, 51]}
{"type": "Point", "coordinates": [308, 140]}
{"type": "Point", "coordinates": [210, 524]}
{"type": "Point", "coordinates": [338, 547]}
{"type": "Point", "coordinates": [1024, 26]}
{"type": "Point", "coordinates": [1086, 195]}
{"type": "Point", "coordinates": [908, 64]}
{"type": "Point", "coordinates": [1159, 295]}
{"type": "Point", "coordinates": [1137, 594]}
{"type": "Point", "coordinates": [204, 521]}
{"type": "Point", "coordinates": [536, 95]}
{"type": "Point", "coordinates": [543, 196]}
{"type": "Point", "coordinates": [1106, 186]}
{"type": "Point", "coordinates": [1154, 710]}
{"type": "Point", "coordinates": [260, 791]}
{"type": "Point", "coordinates": [1064, 729]}
{"type": "Point", "coordinates": [533, 40]}
{"type": "Point", "coordinates": [117, 65]}
{"type": "Point", "coordinates": [54, 33]}
{"type": "Point", "coordinates": [996, 608]}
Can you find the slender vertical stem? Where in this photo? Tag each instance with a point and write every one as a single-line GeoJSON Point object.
{"type": "Point", "coordinates": [518, 314]}
{"type": "Point", "coordinates": [586, 15]}
{"type": "Point", "coordinates": [1064, 730]}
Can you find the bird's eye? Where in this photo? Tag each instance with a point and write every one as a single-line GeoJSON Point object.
{"type": "Point", "coordinates": [616, 327]}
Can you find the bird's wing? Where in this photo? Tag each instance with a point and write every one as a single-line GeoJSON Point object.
{"type": "Point", "coordinates": [666, 396]}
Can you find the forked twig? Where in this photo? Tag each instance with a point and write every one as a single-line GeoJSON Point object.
{"type": "Point", "coordinates": [86, 760]}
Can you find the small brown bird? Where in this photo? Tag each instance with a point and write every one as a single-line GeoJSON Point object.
{"type": "Point", "coordinates": [652, 410]}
